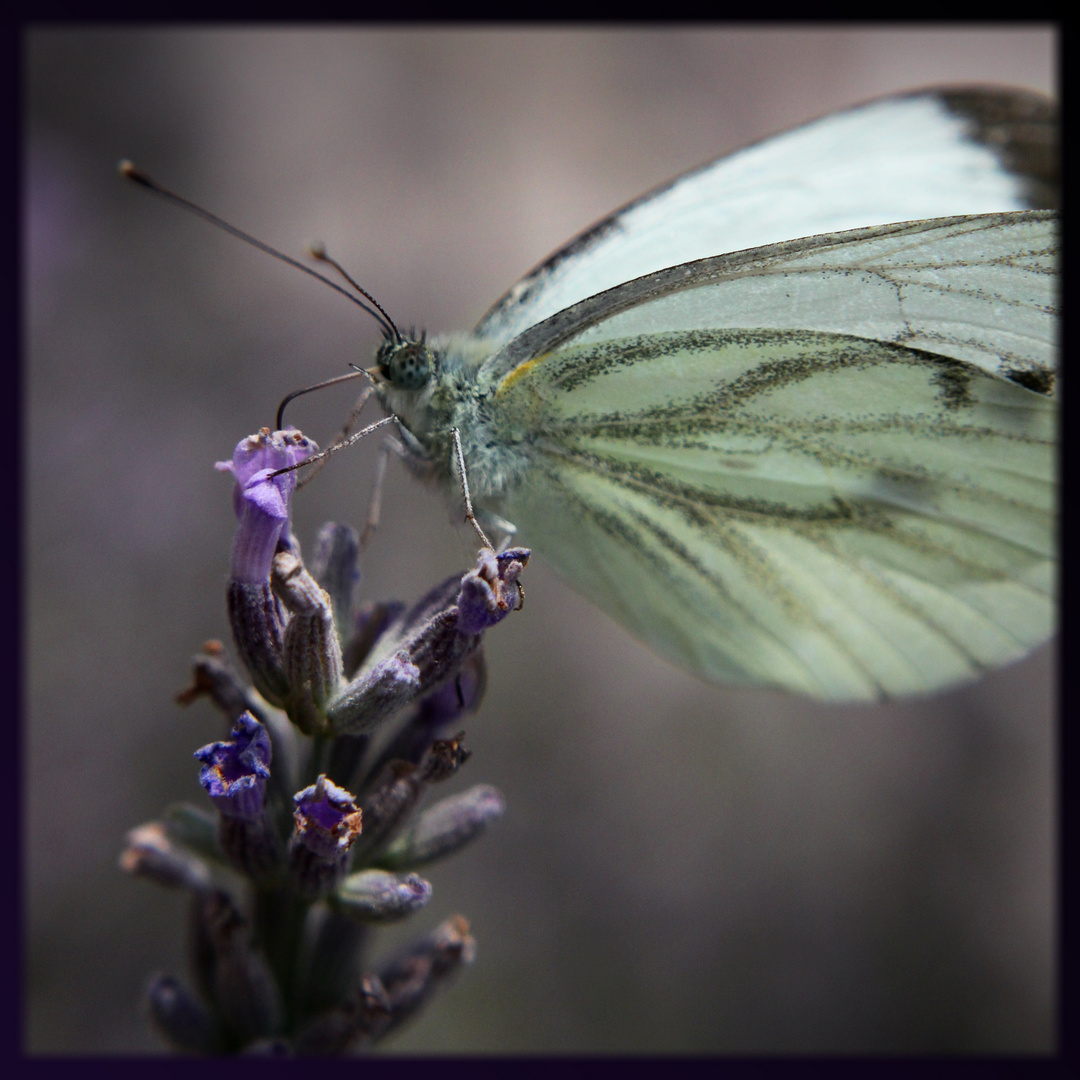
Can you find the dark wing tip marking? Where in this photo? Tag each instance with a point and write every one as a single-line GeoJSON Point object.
{"type": "Point", "coordinates": [1021, 128]}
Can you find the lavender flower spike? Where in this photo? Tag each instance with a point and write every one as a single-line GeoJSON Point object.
{"type": "Point", "coordinates": [278, 959]}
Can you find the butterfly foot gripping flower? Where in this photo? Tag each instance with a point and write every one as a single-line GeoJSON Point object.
{"type": "Point", "coordinates": [316, 828]}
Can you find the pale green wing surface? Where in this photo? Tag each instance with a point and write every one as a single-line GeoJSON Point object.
{"type": "Point", "coordinates": [815, 511]}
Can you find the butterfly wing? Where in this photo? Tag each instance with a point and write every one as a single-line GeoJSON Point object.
{"type": "Point", "coordinates": [902, 158]}
{"type": "Point", "coordinates": [825, 466]}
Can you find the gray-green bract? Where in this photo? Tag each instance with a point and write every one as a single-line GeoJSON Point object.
{"type": "Point", "coordinates": [825, 465]}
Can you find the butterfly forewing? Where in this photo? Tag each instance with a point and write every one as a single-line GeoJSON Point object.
{"type": "Point", "coordinates": [924, 155]}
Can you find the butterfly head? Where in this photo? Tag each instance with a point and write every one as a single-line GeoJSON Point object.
{"type": "Point", "coordinates": [405, 364]}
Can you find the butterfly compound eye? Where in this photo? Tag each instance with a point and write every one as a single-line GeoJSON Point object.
{"type": "Point", "coordinates": [408, 366]}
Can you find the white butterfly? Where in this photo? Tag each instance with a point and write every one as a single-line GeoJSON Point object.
{"type": "Point", "coordinates": [825, 465]}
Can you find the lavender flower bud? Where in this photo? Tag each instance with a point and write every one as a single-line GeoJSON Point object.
{"type": "Point", "coordinates": [258, 625]}
{"type": "Point", "coordinates": [242, 985]}
{"type": "Point", "coordinates": [426, 966]}
{"type": "Point", "coordinates": [335, 565]}
{"type": "Point", "coordinates": [375, 695]}
{"type": "Point", "coordinates": [378, 896]}
{"type": "Point", "coordinates": [427, 645]}
{"type": "Point", "coordinates": [327, 822]}
{"type": "Point", "coordinates": [184, 1022]}
{"type": "Point", "coordinates": [311, 654]}
{"type": "Point", "coordinates": [388, 805]}
{"type": "Point", "coordinates": [446, 827]}
{"type": "Point", "coordinates": [358, 1017]}
{"type": "Point", "coordinates": [211, 676]}
{"type": "Point", "coordinates": [445, 705]}
{"type": "Point", "coordinates": [247, 994]}
{"type": "Point", "coordinates": [194, 829]}
{"type": "Point", "coordinates": [150, 853]}
{"type": "Point", "coordinates": [399, 788]}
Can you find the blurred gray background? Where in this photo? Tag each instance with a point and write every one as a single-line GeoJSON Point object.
{"type": "Point", "coordinates": [681, 867]}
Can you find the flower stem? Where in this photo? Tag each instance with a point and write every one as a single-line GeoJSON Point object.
{"type": "Point", "coordinates": [279, 927]}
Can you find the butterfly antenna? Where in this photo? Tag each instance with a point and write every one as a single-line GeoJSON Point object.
{"type": "Point", "coordinates": [137, 176]}
{"type": "Point", "coordinates": [318, 251]}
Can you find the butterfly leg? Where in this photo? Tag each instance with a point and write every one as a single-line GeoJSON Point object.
{"type": "Point", "coordinates": [334, 447]}
{"type": "Point", "coordinates": [470, 517]}
{"type": "Point", "coordinates": [390, 445]}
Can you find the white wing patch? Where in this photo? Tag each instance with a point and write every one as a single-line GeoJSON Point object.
{"type": "Point", "coordinates": [898, 159]}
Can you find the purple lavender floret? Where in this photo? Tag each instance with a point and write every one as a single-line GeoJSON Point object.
{"type": "Point", "coordinates": [260, 499]}
{"type": "Point", "coordinates": [235, 772]}
{"type": "Point", "coordinates": [326, 822]}
{"type": "Point", "coordinates": [326, 817]}
{"type": "Point", "coordinates": [267, 450]}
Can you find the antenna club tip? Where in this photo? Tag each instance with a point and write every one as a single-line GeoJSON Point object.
{"type": "Point", "coordinates": [130, 171]}
{"type": "Point", "coordinates": [317, 250]}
